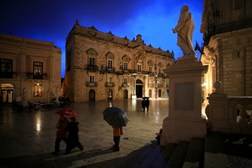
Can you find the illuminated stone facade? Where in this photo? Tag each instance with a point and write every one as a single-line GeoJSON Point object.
{"type": "Point", "coordinates": [101, 66]}
{"type": "Point", "coordinates": [227, 28]}
{"type": "Point", "coordinates": [29, 70]}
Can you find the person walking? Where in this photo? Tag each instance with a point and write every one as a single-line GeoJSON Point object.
{"type": "Point", "coordinates": [61, 133]}
{"type": "Point", "coordinates": [147, 104]}
{"type": "Point", "coordinates": [143, 104]}
{"type": "Point", "coordinates": [73, 136]}
{"type": "Point", "coordinates": [117, 132]}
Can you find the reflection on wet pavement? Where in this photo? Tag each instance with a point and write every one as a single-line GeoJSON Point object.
{"type": "Point", "coordinates": [33, 132]}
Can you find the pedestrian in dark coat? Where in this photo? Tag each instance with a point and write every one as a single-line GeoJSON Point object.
{"type": "Point", "coordinates": [61, 133]}
{"type": "Point", "coordinates": [143, 104]}
{"type": "Point", "coordinates": [73, 136]}
{"type": "Point", "coordinates": [147, 104]}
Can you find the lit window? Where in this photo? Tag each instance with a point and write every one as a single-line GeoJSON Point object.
{"type": "Point", "coordinates": [37, 69]}
{"type": "Point", "coordinates": [37, 90]}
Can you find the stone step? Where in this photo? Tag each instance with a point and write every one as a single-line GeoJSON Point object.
{"type": "Point", "coordinates": [150, 159]}
{"type": "Point", "coordinates": [178, 156]}
{"type": "Point", "coordinates": [164, 157]}
{"type": "Point", "coordinates": [195, 154]}
{"type": "Point", "coordinates": [141, 155]}
{"type": "Point", "coordinates": [227, 149]}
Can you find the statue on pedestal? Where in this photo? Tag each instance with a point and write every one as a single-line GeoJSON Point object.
{"type": "Point", "coordinates": [184, 29]}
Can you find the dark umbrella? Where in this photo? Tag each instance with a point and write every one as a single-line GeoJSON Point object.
{"type": "Point", "coordinates": [67, 112]}
{"type": "Point", "coordinates": [115, 117]}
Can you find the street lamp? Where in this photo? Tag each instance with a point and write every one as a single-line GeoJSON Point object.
{"type": "Point", "coordinates": [156, 85]}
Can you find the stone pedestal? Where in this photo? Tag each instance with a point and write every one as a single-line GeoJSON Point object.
{"type": "Point", "coordinates": [184, 120]}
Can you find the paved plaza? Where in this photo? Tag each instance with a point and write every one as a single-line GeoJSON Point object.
{"type": "Point", "coordinates": [27, 138]}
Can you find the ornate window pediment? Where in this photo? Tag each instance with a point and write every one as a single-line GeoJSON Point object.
{"type": "Point", "coordinates": [126, 58]}
{"type": "Point", "coordinates": [160, 65]}
{"type": "Point", "coordinates": [92, 52]}
{"type": "Point", "coordinates": [139, 58]}
{"type": "Point", "coordinates": [110, 55]}
{"type": "Point", "coordinates": [150, 63]}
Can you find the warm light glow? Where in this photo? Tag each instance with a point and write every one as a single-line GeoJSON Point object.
{"type": "Point", "coordinates": [205, 85]}
{"type": "Point", "coordinates": [38, 122]}
{"type": "Point", "coordinates": [157, 116]}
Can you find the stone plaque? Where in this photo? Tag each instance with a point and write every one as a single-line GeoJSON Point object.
{"type": "Point", "coordinates": [184, 96]}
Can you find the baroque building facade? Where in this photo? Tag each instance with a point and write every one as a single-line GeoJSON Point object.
{"type": "Point", "coordinates": [29, 70]}
{"type": "Point", "coordinates": [227, 29]}
{"type": "Point", "coordinates": [102, 66]}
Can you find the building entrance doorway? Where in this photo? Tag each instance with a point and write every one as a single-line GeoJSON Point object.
{"type": "Point", "coordinates": [7, 90]}
{"type": "Point", "coordinates": [125, 94]}
{"type": "Point", "coordinates": [139, 88]}
{"type": "Point", "coordinates": [92, 95]}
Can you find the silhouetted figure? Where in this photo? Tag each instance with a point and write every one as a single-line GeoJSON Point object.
{"type": "Point", "coordinates": [73, 136]}
{"type": "Point", "coordinates": [159, 136]}
{"type": "Point", "coordinates": [143, 104]}
{"type": "Point", "coordinates": [61, 133]}
{"type": "Point", "coordinates": [147, 104]}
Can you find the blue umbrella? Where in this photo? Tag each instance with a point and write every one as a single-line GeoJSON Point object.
{"type": "Point", "coordinates": [115, 117]}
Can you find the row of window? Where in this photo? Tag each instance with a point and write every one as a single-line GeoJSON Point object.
{"type": "Point", "coordinates": [124, 66]}
{"type": "Point", "coordinates": [6, 68]}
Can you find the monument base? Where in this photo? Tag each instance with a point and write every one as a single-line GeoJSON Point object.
{"type": "Point", "coordinates": [176, 130]}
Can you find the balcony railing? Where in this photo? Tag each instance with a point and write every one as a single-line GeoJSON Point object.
{"type": "Point", "coordinates": [38, 76]}
{"type": "Point", "coordinates": [229, 114]}
{"type": "Point", "coordinates": [110, 84]}
{"type": "Point", "coordinates": [92, 68]}
{"type": "Point", "coordinates": [8, 75]}
{"type": "Point", "coordinates": [91, 84]}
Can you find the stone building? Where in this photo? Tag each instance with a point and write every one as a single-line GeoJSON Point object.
{"type": "Point", "coordinates": [29, 70]}
{"type": "Point", "coordinates": [102, 66]}
{"type": "Point", "coordinates": [227, 29]}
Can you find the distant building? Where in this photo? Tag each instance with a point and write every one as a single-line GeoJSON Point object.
{"type": "Point", "coordinates": [227, 29]}
{"type": "Point", "coordinates": [29, 70]}
{"type": "Point", "coordinates": [101, 66]}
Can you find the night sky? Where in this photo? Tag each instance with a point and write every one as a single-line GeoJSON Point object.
{"type": "Point", "coordinates": [52, 20]}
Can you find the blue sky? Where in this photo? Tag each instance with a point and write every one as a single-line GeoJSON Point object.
{"type": "Point", "coordinates": [52, 20]}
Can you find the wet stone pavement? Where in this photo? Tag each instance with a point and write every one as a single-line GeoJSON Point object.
{"type": "Point", "coordinates": [27, 138]}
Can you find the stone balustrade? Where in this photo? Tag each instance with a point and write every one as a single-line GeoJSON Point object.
{"type": "Point", "coordinates": [229, 114]}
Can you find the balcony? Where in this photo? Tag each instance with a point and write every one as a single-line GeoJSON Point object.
{"type": "Point", "coordinates": [150, 85]}
{"type": "Point", "coordinates": [91, 84]}
{"type": "Point", "coordinates": [109, 69]}
{"type": "Point", "coordinates": [125, 85]}
{"type": "Point", "coordinates": [8, 75]}
{"type": "Point", "coordinates": [110, 84]}
{"type": "Point", "coordinates": [39, 76]}
{"type": "Point", "coordinates": [160, 85]}
{"type": "Point", "coordinates": [92, 68]}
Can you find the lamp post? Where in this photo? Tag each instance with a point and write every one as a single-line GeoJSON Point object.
{"type": "Point", "coordinates": [133, 86]}
{"type": "Point", "coordinates": [156, 85]}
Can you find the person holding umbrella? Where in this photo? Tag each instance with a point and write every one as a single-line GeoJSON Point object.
{"type": "Point", "coordinates": [73, 136]}
{"type": "Point", "coordinates": [117, 132]}
{"type": "Point", "coordinates": [61, 133]}
{"type": "Point", "coordinates": [116, 118]}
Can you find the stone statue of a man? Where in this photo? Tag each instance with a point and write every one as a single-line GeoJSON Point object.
{"type": "Point", "coordinates": [184, 29]}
